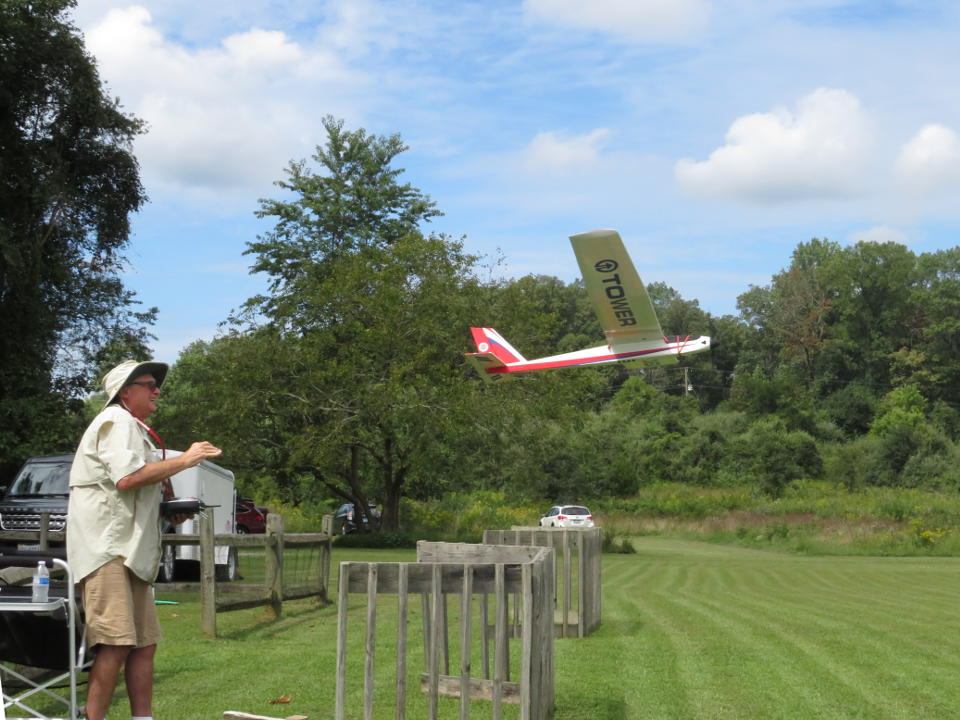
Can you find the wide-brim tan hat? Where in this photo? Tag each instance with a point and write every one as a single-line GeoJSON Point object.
{"type": "Point", "coordinates": [115, 380]}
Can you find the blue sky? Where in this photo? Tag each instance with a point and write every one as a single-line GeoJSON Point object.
{"type": "Point", "coordinates": [713, 134]}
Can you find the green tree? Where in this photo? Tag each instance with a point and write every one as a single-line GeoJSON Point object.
{"type": "Point", "coordinates": [351, 200]}
{"type": "Point", "coordinates": [359, 409]}
{"type": "Point", "coordinates": [937, 297]}
{"type": "Point", "coordinates": [677, 316]}
{"type": "Point", "coordinates": [352, 363]}
{"type": "Point", "coordinates": [876, 313]}
{"type": "Point", "coordinates": [68, 184]}
{"type": "Point", "coordinates": [792, 314]}
{"type": "Point", "coordinates": [730, 338]}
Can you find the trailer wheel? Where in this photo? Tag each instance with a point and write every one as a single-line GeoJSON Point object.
{"type": "Point", "coordinates": [168, 564]}
{"type": "Point", "coordinates": [228, 572]}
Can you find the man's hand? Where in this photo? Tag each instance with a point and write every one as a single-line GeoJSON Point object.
{"type": "Point", "coordinates": [198, 452]}
{"type": "Point", "coordinates": [181, 518]}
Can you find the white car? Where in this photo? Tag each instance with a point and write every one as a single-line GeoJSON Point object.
{"type": "Point", "coordinates": [567, 516]}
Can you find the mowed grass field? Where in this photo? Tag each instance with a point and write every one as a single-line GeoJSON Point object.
{"type": "Point", "coordinates": [695, 630]}
{"type": "Point", "coordinates": [690, 631]}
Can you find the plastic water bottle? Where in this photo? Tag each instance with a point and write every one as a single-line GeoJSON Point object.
{"type": "Point", "coordinates": [41, 583]}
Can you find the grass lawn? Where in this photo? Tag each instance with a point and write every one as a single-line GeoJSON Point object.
{"type": "Point", "coordinates": [690, 630]}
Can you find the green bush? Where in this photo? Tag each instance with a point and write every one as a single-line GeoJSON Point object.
{"type": "Point", "coordinates": [935, 465]}
{"type": "Point", "coordinates": [615, 542]}
{"type": "Point", "coordinates": [677, 501]}
{"type": "Point", "coordinates": [773, 456]}
{"type": "Point", "coordinates": [856, 464]}
{"type": "Point", "coordinates": [463, 517]}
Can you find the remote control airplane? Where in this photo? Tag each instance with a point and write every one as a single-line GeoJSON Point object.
{"type": "Point", "coordinates": [622, 305]}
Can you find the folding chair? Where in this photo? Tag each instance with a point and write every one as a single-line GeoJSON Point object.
{"type": "Point", "coordinates": [48, 636]}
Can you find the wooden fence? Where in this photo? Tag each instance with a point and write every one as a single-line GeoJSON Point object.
{"type": "Point", "coordinates": [221, 597]}
{"type": "Point", "coordinates": [576, 548]}
{"type": "Point", "coordinates": [475, 574]}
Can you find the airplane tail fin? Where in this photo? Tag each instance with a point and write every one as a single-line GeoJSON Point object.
{"type": "Point", "coordinates": [490, 341]}
{"type": "Point", "coordinates": [493, 353]}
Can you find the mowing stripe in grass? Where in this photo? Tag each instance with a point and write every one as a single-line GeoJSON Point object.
{"type": "Point", "coordinates": [704, 631]}
{"type": "Point", "coordinates": [822, 649]}
{"type": "Point", "coordinates": [735, 643]}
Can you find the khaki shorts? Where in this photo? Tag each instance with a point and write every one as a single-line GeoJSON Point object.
{"type": "Point", "coordinates": [119, 607]}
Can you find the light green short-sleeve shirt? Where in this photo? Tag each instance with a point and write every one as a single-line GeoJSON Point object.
{"type": "Point", "coordinates": [104, 522]}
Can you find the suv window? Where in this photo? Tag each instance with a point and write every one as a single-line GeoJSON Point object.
{"type": "Point", "coordinates": [41, 479]}
{"type": "Point", "coordinates": [575, 510]}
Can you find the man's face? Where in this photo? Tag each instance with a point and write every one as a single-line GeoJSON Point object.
{"type": "Point", "coordinates": [140, 396]}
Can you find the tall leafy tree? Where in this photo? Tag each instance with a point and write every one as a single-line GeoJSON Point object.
{"type": "Point", "coordinates": [349, 199]}
{"type": "Point", "coordinates": [877, 317]}
{"type": "Point", "coordinates": [68, 184]}
{"type": "Point", "coordinates": [937, 299]}
{"type": "Point", "coordinates": [793, 314]}
{"type": "Point", "coordinates": [366, 316]}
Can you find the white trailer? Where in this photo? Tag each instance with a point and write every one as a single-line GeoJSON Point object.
{"type": "Point", "coordinates": [213, 485]}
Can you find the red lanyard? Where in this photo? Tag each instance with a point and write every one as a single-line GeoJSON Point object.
{"type": "Point", "coordinates": [153, 434]}
{"type": "Point", "coordinates": [166, 485]}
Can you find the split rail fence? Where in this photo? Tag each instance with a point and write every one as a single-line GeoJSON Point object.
{"type": "Point", "coordinates": [578, 568]}
{"type": "Point", "coordinates": [478, 576]}
{"type": "Point", "coordinates": [222, 597]}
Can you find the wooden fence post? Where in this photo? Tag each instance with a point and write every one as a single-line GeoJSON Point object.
{"type": "Point", "coordinates": [273, 563]}
{"type": "Point", "coordinates": [326, 527]}
{"type": "Point", "coordinates": [44, 531]}
{"type": "Point", "coordinates": [403, 583]}
{"type": "Point", "coordinates": [208, 581]}
{"type": "Point", "coordinates": [341, 693]}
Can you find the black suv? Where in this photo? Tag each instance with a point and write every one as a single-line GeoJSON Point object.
{"type": "Point", "coordinates": [343, 520]}
{"type": "Point", "coordinates": [41, 486]}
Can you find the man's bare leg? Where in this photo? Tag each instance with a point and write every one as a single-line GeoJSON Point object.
{"type": "Point", "coordinates": [139, 677]}
{"type": "Point", "coordinates": [103, 678]}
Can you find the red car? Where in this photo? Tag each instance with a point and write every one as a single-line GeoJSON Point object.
{"type": "Point", "coordinates": [250, 518]}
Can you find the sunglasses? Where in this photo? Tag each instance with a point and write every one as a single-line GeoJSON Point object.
{"type": "Point", "coordinates": [151, 385]}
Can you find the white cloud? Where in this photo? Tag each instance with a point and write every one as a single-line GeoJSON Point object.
{"type": "Point", "coordinates": [261, 49]}
{"type": "Point", "coordinates": [552, 153]}
{"type": "Point", "coordinates": [819, 151]}
{"type": "Point", "coordinates": [930, 161]}
{"type": "Point", "coordinates": [880, 234]}
{"type": "Point", "coordinates": [358, 27]}
{"type": "Point", "coordinates": [228, 115]}
{"type": "Point", "coordinates": [637, 20]}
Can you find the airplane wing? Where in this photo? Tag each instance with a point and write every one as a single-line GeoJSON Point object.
{"type": "Point", "coordinates": [619, 297]}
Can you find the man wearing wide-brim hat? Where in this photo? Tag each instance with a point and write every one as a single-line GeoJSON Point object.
{"type": "Point", "coordinates": [113, 532]}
